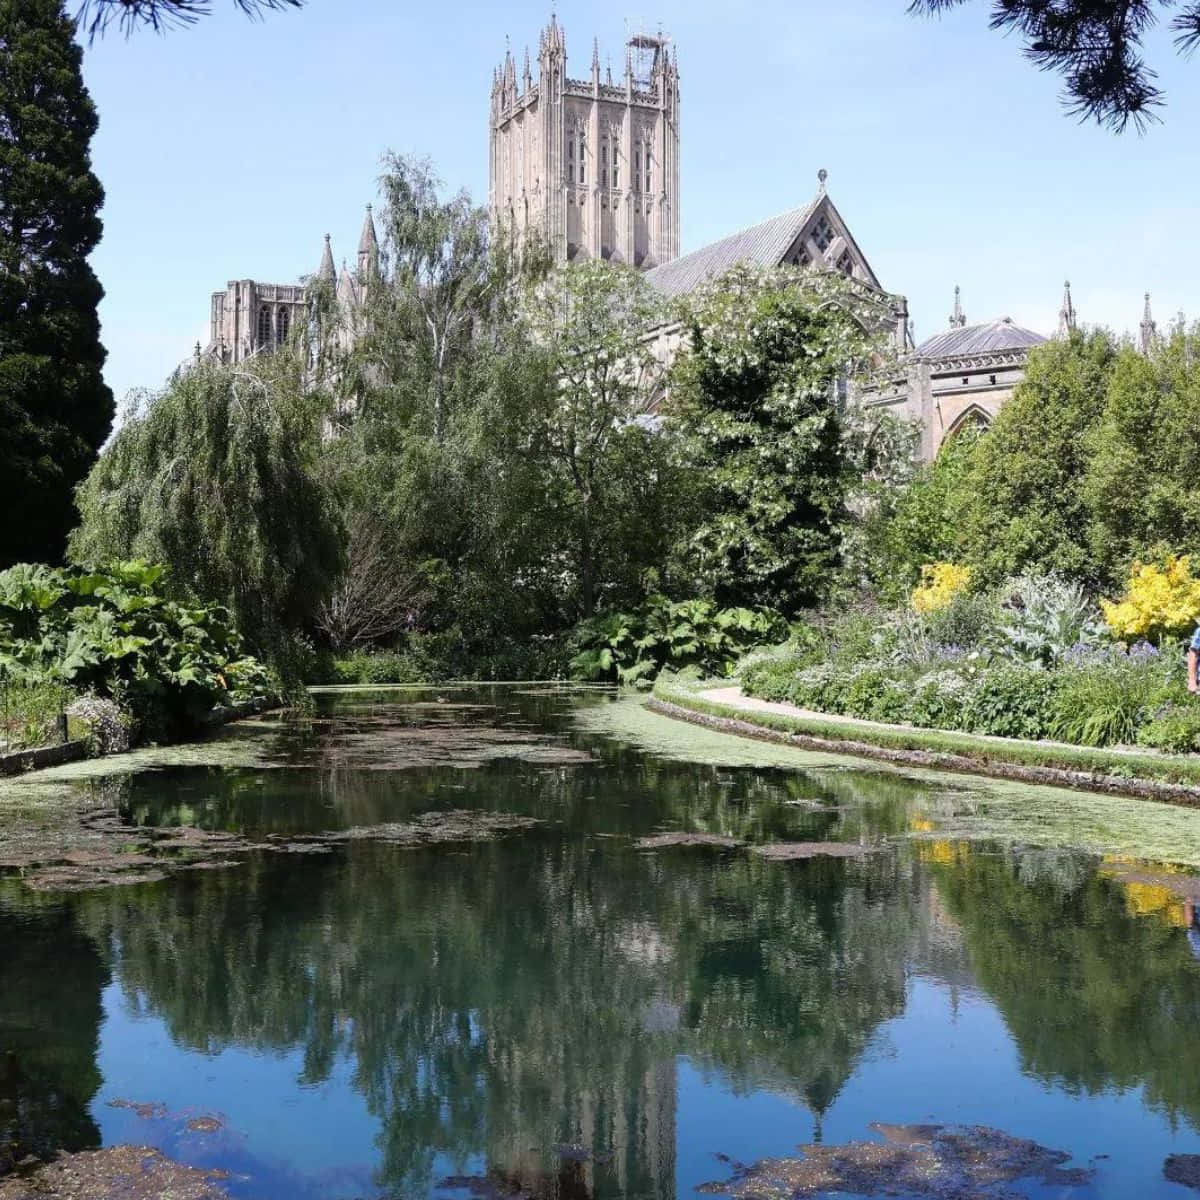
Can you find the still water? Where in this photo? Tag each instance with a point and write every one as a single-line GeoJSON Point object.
{"type": "Point", "coordinates": [558, 1013]}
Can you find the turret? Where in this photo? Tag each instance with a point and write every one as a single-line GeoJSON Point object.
{"type": "Point", "coordinates": [596, 65]}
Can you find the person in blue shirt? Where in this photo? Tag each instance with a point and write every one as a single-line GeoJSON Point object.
{"type": "Point", "coordinates": [1193, 657]}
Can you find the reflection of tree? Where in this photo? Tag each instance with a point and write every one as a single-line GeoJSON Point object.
{"type": "Point", "coordinates": [49, 1032]}
{"type": "Point", "coordinates": [1095, 996]}
{"type": "Point", "coordinates": [530, 992]}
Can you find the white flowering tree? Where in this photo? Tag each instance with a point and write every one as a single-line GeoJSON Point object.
{"type": "Point", "coordinates": [761, 394]}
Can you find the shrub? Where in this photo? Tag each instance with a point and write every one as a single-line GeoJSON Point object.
{"type": "Point", "coordinates": [632, 646]}
{"type": "Point", "coordinates": [1012, 701]}
{"type": "Point", "coordinates": [113, 633]}
{"type": "Point", "coordinates": [937, 700]}
{"type": "Point", "coordinates": [1159, 601]}
{"type": "Point", "coordinates": [1105, 705]}
{"type": "Point", "coordinates": [940, 583]}
{"type": "Point", "coordinates": [1175, 730]}
{"type": "Point", "coordinates": [1043, 617]}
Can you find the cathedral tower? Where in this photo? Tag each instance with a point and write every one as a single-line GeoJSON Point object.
{"type": "Point", "coordinates": [590, 165]}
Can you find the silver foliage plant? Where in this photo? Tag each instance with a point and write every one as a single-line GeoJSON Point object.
{"type": "Point", "coordinates": [1043, 618]}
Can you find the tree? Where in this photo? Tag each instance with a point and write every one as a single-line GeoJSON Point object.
{"type": "Point", "coordinates": [757, 395]}
{"type": "Point", "coordinates": [220, 477]}
{"type": "Point", "coordinates": [925, 524]}
{"type": "Point", "coordinates": [96, 16]}
{"type": "Point", "coordinates": [55, 410]}
{"type": "Point", "coordinates": [584, 427]}
{"type": "Point", "coordinates": [1023, 506]}
{"type": "Point", "coordinates": [1096, 45]}
{"type": "Point", "coordinates": [1140, 485]}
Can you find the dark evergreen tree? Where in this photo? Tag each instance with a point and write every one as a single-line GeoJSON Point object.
{"type": "Point", "coordinates": [55, 410]}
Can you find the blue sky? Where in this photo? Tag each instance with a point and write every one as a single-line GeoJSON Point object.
{"type": "Point", "coordinates": [227, 150]}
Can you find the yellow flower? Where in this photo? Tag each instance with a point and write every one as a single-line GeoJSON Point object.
{"type": "Point", "coordinates": [1159, 601]}
{"type": "Point", "coordinates": [940, 583]}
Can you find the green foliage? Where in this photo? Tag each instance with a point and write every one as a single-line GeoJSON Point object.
{"type": "Point", "coordinates": [55, 410]}
{"type": "Point", "coordinates": [1023, 497]}
{"type": "Point", "coordinates": [1104, 705]}
{"type": "Point", "coordinates": [113, 632]}
{"type": "Point", "coordinates": [1043, 617]}
{"type": "Point", "coordinates": [1175, 729]}
{"type": "Point", "coordinates": [1013, 701]}
{"type": "Point", "coordinates": [925, 523]}
{"type": "Point", "coordinates": [30, 712]}
{"type": "Point", "coordinates": [219, 477]}
{"type": "Point", "coordinates": [1146, 445]}
{"type": "Point", "coordinates": [755, 396]}
{"type": "Point", "coordinates": [637, 645]}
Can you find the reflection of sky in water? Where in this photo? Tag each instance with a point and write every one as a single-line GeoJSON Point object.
{"type": "Point", "coordinates": [947, 1060]}
{"type": "Point", "coordinates": [686, 1002]}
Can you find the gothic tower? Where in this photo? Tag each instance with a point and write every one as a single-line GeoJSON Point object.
{"type": "Point", "coordinates": [590, 165]}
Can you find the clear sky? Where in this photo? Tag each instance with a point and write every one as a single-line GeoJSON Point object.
{"type": "Point", "coordinates": [228, 149]}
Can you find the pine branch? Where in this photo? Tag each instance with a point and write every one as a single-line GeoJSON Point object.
{"type": "Point", "coordinates": [98, 16]}
{"type": "Point", "coordinates": [1095, 45]}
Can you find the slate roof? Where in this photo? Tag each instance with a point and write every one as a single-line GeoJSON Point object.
{"type": "Point", "coordinates": [990, 338]}
{"type": "Point", "coordinates": [762, 245]}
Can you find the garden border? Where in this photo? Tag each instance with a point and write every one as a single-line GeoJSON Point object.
{"type": "Point", "coordinates": [18, 762]}
{"type": "Point", "coordinates": [1165, 777]}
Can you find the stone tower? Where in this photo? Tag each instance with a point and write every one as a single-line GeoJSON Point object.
{"type": "Point", "coordinates": [590, 165]}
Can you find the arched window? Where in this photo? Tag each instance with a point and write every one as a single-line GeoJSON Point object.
{"type": "Point", "coordinates": [264, 326]}
{"type": "Point", "coordinates": [283, 322]}
{"type": "Point", "coordinates": [582, 159]}
{"type": "Point", "coordinates": [571, 159]}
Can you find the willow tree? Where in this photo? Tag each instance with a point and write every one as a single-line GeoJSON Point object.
{"type": "Point", "coordinates": [220, 476]}
{"type": "Point", "coordinates": [55, 410]}
{"type": "Point", "coordinates": [759, 395]}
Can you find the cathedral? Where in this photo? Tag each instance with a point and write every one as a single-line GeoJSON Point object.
{"type": "Point", "coordinates": [591, 167]}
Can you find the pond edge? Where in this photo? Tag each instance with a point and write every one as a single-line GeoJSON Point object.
{"type": "Point", "coordinates": [923, 748]}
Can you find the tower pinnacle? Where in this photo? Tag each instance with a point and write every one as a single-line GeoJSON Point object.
{"type": "Point", "coordinates": [1148, 328]}
{"type": "Point", "coordinates": [957, 318]}
{"type": "Point", "coordinates": [1067, 323]}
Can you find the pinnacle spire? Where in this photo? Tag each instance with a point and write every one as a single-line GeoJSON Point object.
{"type": "Point", "coordinates": [368, 246]}
{"type": "Point", "coordinates": [957, 317]}
{"type": "Point", "coordinates": [326, 272]}
{"type": "Point", "coordinates": [595, 54]}
{"type": "Point", "coordinates": [1148, 327]}
{"type": "Point", "coordinates": [1067, 323]}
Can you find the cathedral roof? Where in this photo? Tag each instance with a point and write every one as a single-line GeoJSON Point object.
{"type": "Point", "coordinates": [993, 337]}
{"type": "Point", "coordinates": [761, 245]}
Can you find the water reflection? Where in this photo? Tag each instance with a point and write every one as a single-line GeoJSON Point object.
{"type": "Point", "coordinates": [519, 1009]}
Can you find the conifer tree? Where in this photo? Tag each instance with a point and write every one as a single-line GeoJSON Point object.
{"type": "Point", "coordinates": [55, 410]}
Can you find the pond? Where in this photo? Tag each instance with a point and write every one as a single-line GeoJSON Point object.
{"type": "Point", "coordinates": [436, 944]}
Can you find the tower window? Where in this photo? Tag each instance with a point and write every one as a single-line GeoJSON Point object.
{"type": "Point", "coordinates": [283, 323]}
{"type": "Point", "coordinates": [604, 162]}
{"type": "Point", "coordinates": [264, 326]}
{"type": "Point", "coordinates": [616, 167]}
{"type": "Point", "coordinates": [571, 159]}
{"type": "Point", "coordinates": [637, 167]}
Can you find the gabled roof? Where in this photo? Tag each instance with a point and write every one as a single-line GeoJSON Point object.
{"type": "Point", "coordinates": [762, 245]}
{"type": "Point", "coordinates": [992, 337]}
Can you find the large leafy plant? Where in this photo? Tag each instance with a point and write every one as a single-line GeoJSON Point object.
{"type": "Point", "coordinates": [1044, 617]}
{"type": "Point", "coordinates": [113, 632]}
{"type": "Point", "coordinates": [631, 646]}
